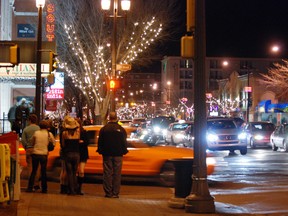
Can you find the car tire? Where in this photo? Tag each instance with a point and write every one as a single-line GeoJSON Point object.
{"type": "Point", "coordinates": [285, 146]}
{"type": "Point", "coordinates": [172, 141]}
{"type": "Point", "coordinates": [243, 151]}
{"type": "Point", "coordinates": [252, 145]}
{"type": "Point", "coordinates": [274, 147]}
{"type": "Point", "coordinates": [167, 174]}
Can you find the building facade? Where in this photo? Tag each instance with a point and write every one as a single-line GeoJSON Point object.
{"type": "Point", "coordinates": [227, 79]}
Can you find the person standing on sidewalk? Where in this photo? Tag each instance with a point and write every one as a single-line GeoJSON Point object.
{"type": "Point", "coordinates": [70, 143]}
{"type": "Point", "coordinates": [26, 140]}
{"type": "Point", "coordinates": [84, 155]}
{"type": "Point", "coordinates": [112, 145]}
{"type": "Point", "coordinates": [40, 142]}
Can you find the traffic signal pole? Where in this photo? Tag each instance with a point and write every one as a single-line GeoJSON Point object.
{"type": "Point", "coordinates": [37, 101]}
{"type": "Point", "coordinates": [200, 200]}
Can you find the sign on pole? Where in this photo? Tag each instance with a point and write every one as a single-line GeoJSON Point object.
{"type": "Point", "coordinates": [123, 67]}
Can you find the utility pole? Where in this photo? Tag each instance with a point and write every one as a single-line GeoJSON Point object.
{"type": "Point", "coordinates": [200, 200]}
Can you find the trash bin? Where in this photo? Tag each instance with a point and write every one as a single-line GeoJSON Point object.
{"type": "Point", "coordinates": [183, 176]}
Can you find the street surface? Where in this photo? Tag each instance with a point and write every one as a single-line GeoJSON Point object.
{"type": "Point", "coordinates": [256, 183]}
{"type": "Point", "coordinates": [261, 173]}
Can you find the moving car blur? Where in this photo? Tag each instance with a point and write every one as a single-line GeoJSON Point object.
{"type": "Point", "coordinates": [175, 134]}
{"type": "Point", "coordinates": [258, 133]}
{"type": "Point", "coordinates": [156, 129]}
{"type": "Point", "coordinates": [279, 138]}
{"type": "Point", "coordinates": [142, 160]}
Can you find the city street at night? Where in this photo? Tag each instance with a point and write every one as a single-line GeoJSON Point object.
{"type": "Point", "coordinates": [256, 183]}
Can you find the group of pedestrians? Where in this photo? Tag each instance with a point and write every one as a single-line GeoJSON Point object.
{"type": "Point", "coordinates": [112, 145]}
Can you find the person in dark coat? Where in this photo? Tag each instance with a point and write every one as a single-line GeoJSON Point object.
{"type": "Point", "coordinates": [112, 145]}
{"type": "Point", "coordinates": [84, 156]}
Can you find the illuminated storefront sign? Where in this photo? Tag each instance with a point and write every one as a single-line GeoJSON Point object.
{"type": "Point", "coordinates": [56, 90]}
{"type": "Point", "coordinates": [50, 22]}
{"type": "Point", "coordinates": [23, 70]}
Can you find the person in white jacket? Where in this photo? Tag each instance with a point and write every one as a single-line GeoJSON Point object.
{"type": "Point", "coordinates": [40, 142]}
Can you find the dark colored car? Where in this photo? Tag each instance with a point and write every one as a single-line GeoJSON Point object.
{"type": "Point", "coordinates": [258, 133]}
{"type": "Point", "coordinates": [279, 138]}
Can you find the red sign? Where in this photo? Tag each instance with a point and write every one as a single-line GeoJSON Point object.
{"type": "Point", "coordinates": [248, 89]}
{"type": "Point", "coordinates": [55, 94]}
{"type": "Point", "coordinates": [51, 105]}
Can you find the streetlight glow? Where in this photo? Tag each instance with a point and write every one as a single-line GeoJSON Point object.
{"type": "Point", "coordinates": [105, 4]}
{"type": "Point", "coordinates": [40, 3]}
{"type": "Point", "coordinates": [125, 5]}
{"type": "Point", "coordinates": [275, 49]}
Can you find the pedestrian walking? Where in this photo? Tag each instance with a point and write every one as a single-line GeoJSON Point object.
{"type": "Point", "coordinates": [27, 144]}
{"type": "Point", "coordinates": [112, 145]}
{"type": "Point", "coordinates": [21, 116]}
{"type": "Point", "coordinates": [63, 173]}
{"type": "Point", "coordinates": [40, 142]}
{"type": "Point", "coordinates": [70, 143]}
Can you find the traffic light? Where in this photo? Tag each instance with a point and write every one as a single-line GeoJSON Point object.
{"type": "Point", "coordinates": [187, 47]}
{"type": "Point", "coordinates": [250, 101]}
{"type": "Point", "coordinates": [53, 63]}
{"type": "Point", "coordinates": [51, 79]}
{"type": "Point", "coordinates": [190, 16]}
{"type": "Point", "coordinates": [114, 84]}
{"type": "Point", "coordinates": [14, 55]}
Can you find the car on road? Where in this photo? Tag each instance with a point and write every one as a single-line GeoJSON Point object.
{"type": "Point", "coordinates": [175, 133]}
{"type": "Point", "coordinates": [258, 133]}
{"type": "Point", "coordinates": [141, 161]}
{"type": "Point", "coordinates": [279, 138]}
{"type": "Point", "coordinates": [223, 134]}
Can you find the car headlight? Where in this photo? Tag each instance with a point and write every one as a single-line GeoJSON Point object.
{"type": "Point", "coordinates": [258, 137]}
{"type": "Point", "coordinates": [242, 136]}
{"type": "Point", "coordinates": [144, 132]}
{"type": "Point", "coordinates": [156, 129]}
{"type": "Point", "coordinates": [164, 132]}
{"type": "Point", "coordinates": [179, 136]}
{"type": "Point", "coordinates": [212, 137]}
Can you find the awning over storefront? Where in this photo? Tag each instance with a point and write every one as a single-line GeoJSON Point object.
{"type": "Point", "coordinates": [277, 108]}
{"type": "Point", "coordinates": [263, 105]}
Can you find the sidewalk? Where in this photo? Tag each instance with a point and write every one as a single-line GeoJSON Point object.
{"type": "Point", "coordinates": [147, 201]}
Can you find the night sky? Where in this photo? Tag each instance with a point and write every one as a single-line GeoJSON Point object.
{"type": "Point", "coordinates": [243, 28]}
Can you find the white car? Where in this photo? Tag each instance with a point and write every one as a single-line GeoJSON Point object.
{"type": "Point", "coordinates": [223, 134]}
{"type": "Point", "coordinates": [175, 133]}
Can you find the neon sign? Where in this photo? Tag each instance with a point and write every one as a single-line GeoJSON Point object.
{"type": "Point", "coordinates": [50, 22]}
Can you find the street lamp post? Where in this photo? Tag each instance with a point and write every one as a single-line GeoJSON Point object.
{"type": "Point", "coordinates": [125, 5]}
{"type": "Point", "coordinates": [40, 4]}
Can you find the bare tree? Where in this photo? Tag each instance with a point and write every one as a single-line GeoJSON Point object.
{"type": "Point", "coordinates": [84, 39]}
{"type": "Point", "coordinates": [277, 80]}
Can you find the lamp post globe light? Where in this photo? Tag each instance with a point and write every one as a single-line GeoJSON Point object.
{"type": "Point", "coordinates": [40, 5]}
{"type": "Point", "coordinates": [125, 6]}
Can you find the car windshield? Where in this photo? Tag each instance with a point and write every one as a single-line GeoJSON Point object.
{"type": "Point", "coordinates": [264, 127]}
{"type": "Point", "coordinates": [220, 124]}
{"type": "Point", "coordinates": [178, 127]}
{"type": "Point", "coordinates": [162, 121]}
